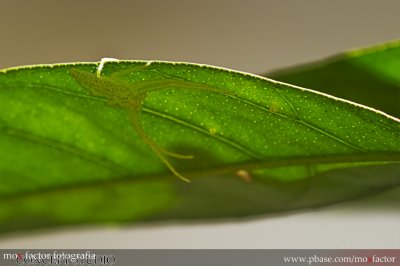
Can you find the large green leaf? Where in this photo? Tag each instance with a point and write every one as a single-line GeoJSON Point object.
{"type": "Point", "coordinates": [369, 76]}
{"type": "Point", "coordinates": [259, 146]}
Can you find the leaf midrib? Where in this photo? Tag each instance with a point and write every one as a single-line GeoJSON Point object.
{"type": "Point", "coordinates": [223, 170]}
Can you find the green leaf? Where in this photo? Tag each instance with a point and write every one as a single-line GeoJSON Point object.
{"type": "Point", "coordinates": [260, 146]}
{"type": "Point", "coordinates": [368, 76]}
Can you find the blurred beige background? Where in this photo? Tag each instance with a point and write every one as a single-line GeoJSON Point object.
{"type": "Point", "coordinates": [253, 36]}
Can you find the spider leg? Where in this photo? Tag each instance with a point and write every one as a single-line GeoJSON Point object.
{"type": "Point", "coordinates": [134, 113]}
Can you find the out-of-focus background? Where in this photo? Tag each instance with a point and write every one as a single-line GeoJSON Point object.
{"type": "Point", "coordinates": [253, 36]}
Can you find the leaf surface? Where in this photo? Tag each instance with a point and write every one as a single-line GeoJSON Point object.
{"type": "Point", "coordinates": [70, 157]}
